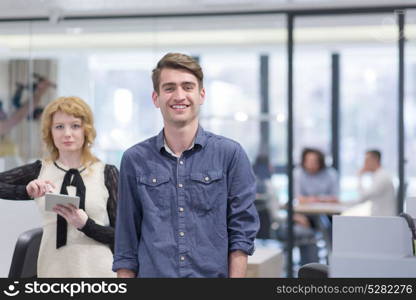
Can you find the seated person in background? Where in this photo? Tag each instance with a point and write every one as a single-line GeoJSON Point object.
{"type": "Point", "coordinates": [380, 194]}
{"type": "Point", "coordinates": [263, 172]}
{"type": "Point", "coordinates": [314, 182]}
{"type": "Point", "coordinates": [266, 201]}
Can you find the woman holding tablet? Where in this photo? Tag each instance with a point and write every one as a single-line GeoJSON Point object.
{"type": "Point", "coordinates": [76, 242]}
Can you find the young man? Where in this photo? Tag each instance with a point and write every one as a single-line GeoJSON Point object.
{"type": "Point", "coordinates": [380, 193]}
{"type": "Point", "coordinates": [186, 196]}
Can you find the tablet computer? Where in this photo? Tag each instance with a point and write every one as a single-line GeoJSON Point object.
{"type": "Point", "coordinates": [53, 199]}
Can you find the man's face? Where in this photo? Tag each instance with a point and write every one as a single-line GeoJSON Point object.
{"type": "Point", "coordinates": [370, 163]}
{"type": "Point", "coordinates": [179, 97]}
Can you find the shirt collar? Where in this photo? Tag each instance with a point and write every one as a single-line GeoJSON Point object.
{"type": "Point", "coordinates": [168, 150]}
{"type": "Point", "coordinates": [200, 139]}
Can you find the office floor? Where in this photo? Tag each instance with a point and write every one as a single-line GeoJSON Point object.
{"type": "Point", "coordinates": [274, 244]}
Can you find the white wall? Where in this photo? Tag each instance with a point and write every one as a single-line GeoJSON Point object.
{"type": "Point", "coordinates": [16, 217]}
{"type": "Point", "coordinates": [4, 75]}
{"type": "Point", "coordinates": [74, 76]}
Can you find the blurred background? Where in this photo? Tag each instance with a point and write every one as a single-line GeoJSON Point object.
{"type": "Point", "coordinates": [339, 69]}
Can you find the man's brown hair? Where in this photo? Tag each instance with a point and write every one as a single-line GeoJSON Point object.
{"type": "Point", "coordinates": [177, 61]}
{"type": "Point", "coordinates": [375, 153]}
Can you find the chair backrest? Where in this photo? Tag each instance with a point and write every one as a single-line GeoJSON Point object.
{"type": "Point", "coordinates": [25, 255]}
{"type": "Point", "coordinates": [313, 270]}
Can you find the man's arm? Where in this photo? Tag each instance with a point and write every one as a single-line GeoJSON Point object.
{"type": "Point", "coordinates": [243, 220]}
{"type": "Point", "coordinates": [128, 221]}
{"type": "Point", "coordinates": [237, 265]}
{"type": "Point", "coordinates": [377, 187]}
{"type": "Point", "coordinates": [125, 273]}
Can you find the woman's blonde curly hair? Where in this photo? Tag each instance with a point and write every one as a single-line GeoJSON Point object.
{"type": "Point", "coordinates": [78, 108]}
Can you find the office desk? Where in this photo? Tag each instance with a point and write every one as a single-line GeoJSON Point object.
{"type": "Point", "coordinates": [322, 208]}
{"type": "Point", "coordinates": [265, 262]}
{"type": "Point", "coordinates": [319, 212]}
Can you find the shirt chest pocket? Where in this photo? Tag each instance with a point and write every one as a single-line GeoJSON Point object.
{"type": "Point", "coordinates": [155, 190]}
{"type": "Point", "coordinates": [207, 189]}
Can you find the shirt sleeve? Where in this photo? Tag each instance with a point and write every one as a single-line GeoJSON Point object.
{"type": "Point", "coordinates": [334, 182]}
{"type": "Point", "coordinates": [242, 216]}
{"type": "Point", "coordinates": [105, 234]}
{"type": "Point", "coordinates": [13, 182]}
{"type": "Point", "coordinates": [129, 217]}
{"type": "Point", "coordinates": [377, 187]}
{"type": "Point", "coordinates": [297, 183]}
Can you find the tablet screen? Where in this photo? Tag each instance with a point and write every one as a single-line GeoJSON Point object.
{"type": "Point", "coordinates": [53, 199]}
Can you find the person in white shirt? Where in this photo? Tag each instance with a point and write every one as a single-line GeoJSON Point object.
{"type": "Point", "coordinates": [380, 194]}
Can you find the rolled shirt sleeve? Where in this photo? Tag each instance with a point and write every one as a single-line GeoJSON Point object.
{"type": "Point", "coordinates": [242, 217]}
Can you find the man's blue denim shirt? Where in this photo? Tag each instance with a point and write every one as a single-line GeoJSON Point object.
{"type": "Point", "coordinates": [181, 217]}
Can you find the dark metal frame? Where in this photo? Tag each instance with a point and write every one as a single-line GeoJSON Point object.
{"type": "Point", "coordinates": [290, 164]}
{"type": "Point", "coordinates": [264, 147]}
{"type": "Point", "coordinates": [335, 122]}
{"type": "Point", "coordinates": [401, 133]}
{"type": "Point", "coordinates": [293, 12]}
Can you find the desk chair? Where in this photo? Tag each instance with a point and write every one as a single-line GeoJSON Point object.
{"type": "Point", "coordinates": [313, 270]}
{"type": "Point", "coordinates": [25, 255]}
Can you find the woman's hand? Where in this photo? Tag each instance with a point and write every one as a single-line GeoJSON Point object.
{"type": "Point", "coordinates": [328, 199]}
{"type": "Point", "coordinates": [38, 188]}
{"type": "Point", "coordinates": [308, 199]}
{"type": "Point", "coordinates": [301, 220]}
{"type": "Point", "coordinates": [73, 215]}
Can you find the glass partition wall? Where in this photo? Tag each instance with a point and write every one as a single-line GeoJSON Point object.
{"type": "Point", "coordinates": [108, 63]}
{"type": "Point", "coordinates": [356, 54]}
{"type": "Point", "coordinates": [410, 107]}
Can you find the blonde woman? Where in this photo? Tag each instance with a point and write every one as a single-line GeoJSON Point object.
{"type": "Point", "coordinates": [75, 242]}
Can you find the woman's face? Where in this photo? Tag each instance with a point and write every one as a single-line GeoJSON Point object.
{"type": "Point", "coordinates": [311, 163]}
{"type": "Point", "coordinates": [67, 133]}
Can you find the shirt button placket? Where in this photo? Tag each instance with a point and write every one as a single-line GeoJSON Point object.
{"type": "Point", "coordinates": [181, 208]}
